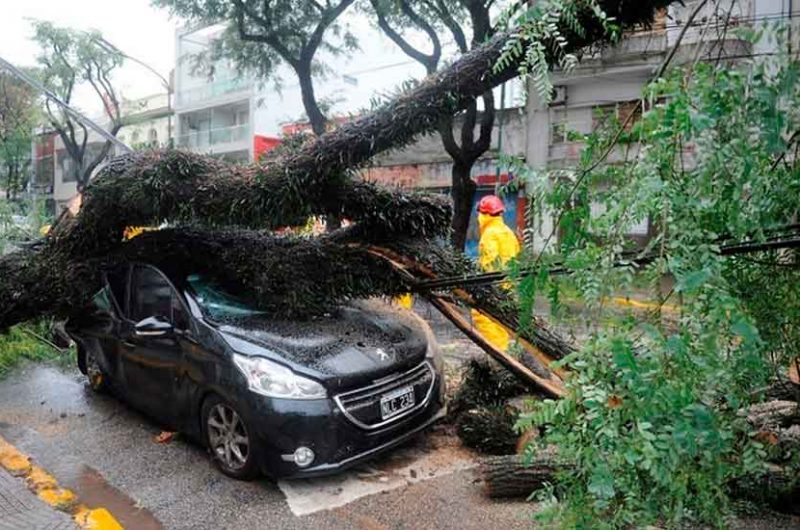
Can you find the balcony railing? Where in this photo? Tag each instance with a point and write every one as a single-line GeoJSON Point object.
{"type": "Point", "coordinates": [212, 90]}
{"type": "Point", "coordinates": [209, 137]}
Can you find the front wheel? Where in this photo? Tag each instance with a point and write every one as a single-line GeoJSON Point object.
{"type": "Point", "coordinates": [229, 439]}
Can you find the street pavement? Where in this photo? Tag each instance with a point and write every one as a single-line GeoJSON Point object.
{"type": "Point", "coordinates": [20, 509]}
{"type": "Point", "coordinates": [105, 452]}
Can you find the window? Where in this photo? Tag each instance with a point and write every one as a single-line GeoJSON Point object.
{"type": "Point", "coordinates": [153, 296]}
{"type": "Point", "coordinates": [67, 166]}
{"type": "Point", "coordinates": [216, 303]}
{"type": "Point", "coordinates": [621, 111]}
{"type": "Point", "coordinates": [152, 137]}
{"type": "Point", "coordinates": [558, 127]}
{"type": "Point", "coordinates": [135, 137]}
{"type": "Point", "coordinates": [117, 279]}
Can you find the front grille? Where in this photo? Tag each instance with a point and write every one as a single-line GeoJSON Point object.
{"type": "Point", "coordinates": [362, 406]}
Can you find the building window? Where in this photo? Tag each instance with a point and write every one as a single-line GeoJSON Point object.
{"type": "Point", "coordinates": [135, 137]}
{"type": "Point", "coordinates": [152, 137]}
{"type": "Point", "coordinates": [558, 127]}
{"type": "Point", "coordinates": [67, 166]}
{"type": "Point", "coordinates": [605, 115]}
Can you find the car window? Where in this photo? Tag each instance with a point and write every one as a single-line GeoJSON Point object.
{"type": "Point", "coordinates": [216, 303]}
{"type": "Point", "coordinates": [117, 279]}
{"type": "Point", "coordinates": [179, 318]}
{"type": "Point", "coordinates": [151, 295]}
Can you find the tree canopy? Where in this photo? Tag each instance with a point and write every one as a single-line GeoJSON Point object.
{"type": "Point", "coordinates": [18, 117]}
{"type": "Point", "coordinates": [466, 23]}
{"type": "Point", "coordinates": [69, 59]}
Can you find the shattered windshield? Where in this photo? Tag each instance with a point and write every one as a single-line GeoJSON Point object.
{"type": "Point", "coordinates": [216, 303]}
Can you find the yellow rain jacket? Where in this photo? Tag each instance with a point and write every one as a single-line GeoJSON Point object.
{"type": "Point", "coordinates": [497, 246]}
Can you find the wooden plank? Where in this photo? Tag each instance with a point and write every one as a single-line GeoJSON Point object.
{"type": "Point", "coordinates": [554, 387]}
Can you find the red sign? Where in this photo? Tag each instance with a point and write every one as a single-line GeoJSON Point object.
{"type": "Point", "coordinates": [264, 144]}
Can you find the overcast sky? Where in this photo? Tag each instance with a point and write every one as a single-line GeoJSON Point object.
{"type": "Point", "coordinates": [134, 26]}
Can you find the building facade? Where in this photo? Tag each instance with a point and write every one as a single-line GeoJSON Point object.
{"type": "Point", "coordinates": [213, 113]}
{"type": "Point", "coordinates": [613, 81]}
{"type": "Point", "coordinates": [226, 113]}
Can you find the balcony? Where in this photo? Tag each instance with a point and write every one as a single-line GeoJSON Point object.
{"type": "Point", "coordinates": [199, 140]}
{"type": "Point", "coordinates": [213, 90]}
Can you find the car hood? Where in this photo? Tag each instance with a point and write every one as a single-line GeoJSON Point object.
{"type": "Point", "coordinates": [356, 342]}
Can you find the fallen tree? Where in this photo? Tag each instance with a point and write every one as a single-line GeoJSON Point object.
{"type": "Point", "coordinates": [218, 210]}
{"type": "Point", "coordinates": [510, 476]}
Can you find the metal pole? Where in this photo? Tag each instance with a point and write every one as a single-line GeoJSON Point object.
{"type": "Point", "coordinates": [69, 110]}
{"type": "Point", "coordinates": [500, 116]}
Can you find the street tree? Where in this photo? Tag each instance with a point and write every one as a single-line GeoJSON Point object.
{"type": "Point", "coordinates": [17, 120]}
{"type": "Point", "coordinates": [467, 24]}
{"type": "Point", "coordinates": [70, 59]}
{"type": "Point", "coordinates": [261, 35]}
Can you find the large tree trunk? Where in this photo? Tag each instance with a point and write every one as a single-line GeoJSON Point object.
{"type": "Point", "coordinates": [463, 193]}
{"type": "Point", "coordinates": [315, 116]}
{"type": "Point", "coordinates": [509, 477]}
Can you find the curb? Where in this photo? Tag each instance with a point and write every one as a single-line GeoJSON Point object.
{"type": "Point", "coordinates": [45, 486]}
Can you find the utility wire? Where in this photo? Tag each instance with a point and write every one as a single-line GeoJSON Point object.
{"type": "Point", "coordinates": [789, 240]}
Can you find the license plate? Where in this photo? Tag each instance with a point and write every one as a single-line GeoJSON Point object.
{"type": "Point", "coordinates": [396, 402]}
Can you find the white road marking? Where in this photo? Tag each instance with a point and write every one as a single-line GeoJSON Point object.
{"type": "Point", "coordinates": [403, 467]}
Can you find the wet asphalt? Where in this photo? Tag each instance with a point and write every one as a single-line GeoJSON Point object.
{"type": "Point", "coordinates": [98, 446]}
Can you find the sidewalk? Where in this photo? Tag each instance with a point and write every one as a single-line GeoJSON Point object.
{"type": "Point", "coordinates": [20, 509]}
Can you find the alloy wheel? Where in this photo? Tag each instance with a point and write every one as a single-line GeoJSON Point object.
{"type": "Point", "coordinates": [227, 437]}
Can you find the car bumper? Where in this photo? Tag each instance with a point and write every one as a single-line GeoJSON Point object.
{"type": "Point", "coordinates": [281, 426]}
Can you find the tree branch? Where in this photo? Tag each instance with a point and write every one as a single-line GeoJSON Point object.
{"type": "Point", "coordinates": [429, 61]}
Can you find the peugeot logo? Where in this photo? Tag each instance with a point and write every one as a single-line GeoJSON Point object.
{"type": "Point", "coordinates": [382, 355]}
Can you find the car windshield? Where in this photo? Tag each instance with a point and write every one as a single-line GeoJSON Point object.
{"type": "Point", "coordinates": [216, 303]}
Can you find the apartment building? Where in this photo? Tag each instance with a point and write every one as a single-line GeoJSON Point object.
{"type": "Point", "coordinates": [226, 113]}
{"type": "Point", "coordinates": [213, 112]}
{"type": "Point", "coordinates": [613, 81]}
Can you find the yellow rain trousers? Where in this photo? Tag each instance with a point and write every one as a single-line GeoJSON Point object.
{"type": "Point", "coordinates": [497, 246]}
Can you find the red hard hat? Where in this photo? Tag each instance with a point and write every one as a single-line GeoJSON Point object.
{"type": "Point", "coordinates": [491, 205]}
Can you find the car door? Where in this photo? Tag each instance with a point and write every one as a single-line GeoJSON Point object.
{"type": "Point", "coordinates": [152, 363]}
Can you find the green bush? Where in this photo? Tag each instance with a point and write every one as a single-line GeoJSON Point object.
{"type": "Point", "coordinates": [21, 343]}
{"type": "Point", "coordinates": [650, 420]}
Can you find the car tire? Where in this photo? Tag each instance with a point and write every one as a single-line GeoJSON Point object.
{"type": "Point", "coordinates": [229, 439]}
{"type": "Point", "coordinates": [98, 380]}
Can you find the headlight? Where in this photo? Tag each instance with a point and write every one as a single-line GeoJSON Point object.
{"type": "Point", "coordinates": [273, 380]}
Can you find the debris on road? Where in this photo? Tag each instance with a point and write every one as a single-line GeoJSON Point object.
{"type": "Point", "coordinates": [164, 437]}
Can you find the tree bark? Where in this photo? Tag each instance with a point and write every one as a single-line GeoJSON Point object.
{"type": "Point", "coordinates": [507, 476]}
{"type": "Point", "coordinates": [316, 118]}
{"type": "Point", "coordinates": [463, 192]}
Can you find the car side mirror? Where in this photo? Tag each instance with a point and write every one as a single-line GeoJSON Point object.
{"type": "Point", "coordinates": [153, 327]}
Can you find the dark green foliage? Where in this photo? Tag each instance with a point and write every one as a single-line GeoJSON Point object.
{"type": "Point", "coordinates": [485, 384]}
{"type": "Point", "coordinates": [148, 188]}
{"type": "Point", "coordinates": [484, 420]}
{"type": "Point", "coordinates": [489, 430]}
{"type": "Point", "coordinates": [24, 342]}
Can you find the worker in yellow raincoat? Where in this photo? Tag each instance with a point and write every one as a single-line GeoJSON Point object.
{"type": "Point", "coordinates": [497, 246]}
